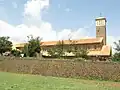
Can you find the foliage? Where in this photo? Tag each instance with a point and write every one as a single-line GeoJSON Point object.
{"type": "Point", "coordinates": [72, 46]}
{"type": "Point", "coordinates": [116, 56]}
{"type": "Point", "coordinates": [117, 48]}
{"type": "Point", "coordinates": [60, 48]}
{"type": "Point", "coordinates": [5, 45]}
{"type": "Point", "coordinates": [52, 52]}
{"type": "Point", "coordinates": [57, 50]}
{"type": "Point", "coordinates": [25, 50]}
{"type": "Point", "coordinates": [32, 47]}
{"type": "Point", "coordinates": [79, 52]}
{"type": "Point", "coordinates": [15, 53]}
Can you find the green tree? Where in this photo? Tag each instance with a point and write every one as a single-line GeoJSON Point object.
{"type": "Point", "coordinates": [116, 56]}
{"type": "Point", "coordinates": [52, 51]}
{"type": "Point", "coordinates": [32, 48]}
{"type": "Point", "coordinates": [25, 51]}
{"type": "Point", "coordinates": [5, 45]}
{"type": "Point", "coordinates": [81, 53]}
{"type": "Point", "coordinates": [60, 48]}
{"type": "Point", "coordinates": [117, 48]}
{"type": "Point", "coordinates": [77, 51]}
{"type": "Point", "coordinates": [57, 50]}
{"type": "Point", "coordinates": [16, 53]}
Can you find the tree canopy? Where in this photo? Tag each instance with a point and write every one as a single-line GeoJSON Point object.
{"type": "Point", "coordinates": [57, 50]}
{"type": "Point", "coordinates": [117, 44]}
{"type": "Point", "coordinates": [5, 45]}
{"type": "Point", "coordinates": [32, 47]}
{"type": "Point", "coordinates": [116, 56]}
{"type": "Point", "coordinates": [60, 48]}
{"type": "Point", "coordinates": [16, 53]}
{"type": "Point", "coordinates": [77, 51]}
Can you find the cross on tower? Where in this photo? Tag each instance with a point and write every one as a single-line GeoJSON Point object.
{"type": "Point", "coordinates": [100, 14]}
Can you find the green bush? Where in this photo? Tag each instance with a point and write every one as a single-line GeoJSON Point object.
{"type": "Point", "coordinates": [16, 53]}
{"type": "Point", "coordinates": [116, 57]}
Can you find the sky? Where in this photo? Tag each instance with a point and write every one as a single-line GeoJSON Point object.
{"type": "Point", "coordinates": [57, 19]}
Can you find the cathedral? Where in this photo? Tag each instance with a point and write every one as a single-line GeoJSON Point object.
{"type": "Point", "coordinates": [96, 47]}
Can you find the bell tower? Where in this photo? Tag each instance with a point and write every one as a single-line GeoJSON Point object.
{"type": "Point", "coordinates": [101, 28]}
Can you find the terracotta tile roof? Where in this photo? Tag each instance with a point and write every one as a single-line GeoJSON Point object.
{"type": "Point", "coordinates": [106, 51]}
{"type": "Point", "coordinates": [80, 41]}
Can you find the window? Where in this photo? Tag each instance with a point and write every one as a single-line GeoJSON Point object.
{"type": "Point", "coordinates": [95, 47]}
{"type": "Point", "coordinates": [98, 31]}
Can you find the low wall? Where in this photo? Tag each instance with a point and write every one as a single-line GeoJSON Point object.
{"type": "Point", "coordinates": [99, 70]}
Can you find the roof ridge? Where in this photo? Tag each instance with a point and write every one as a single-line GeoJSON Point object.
{"type": "Point", "coordinates": [76, 39]}
{"type": "Point", "coordinates": [80, 41]}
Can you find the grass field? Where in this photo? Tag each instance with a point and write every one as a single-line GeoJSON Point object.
{"type": "Point", "coordinates": [10, 81]}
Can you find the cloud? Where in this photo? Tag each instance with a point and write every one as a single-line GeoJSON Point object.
{"type": "Point", "coordinates": [73, 34]}
{"type": "Point", "coordinates": [19, 33]}
{"type": "Point", "coordinates": [33, 8]}
{"type": "Point", "coordinates": [37, 27]}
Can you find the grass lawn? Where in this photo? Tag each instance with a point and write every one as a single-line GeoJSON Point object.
{"type": "Point", "coordinates": [10, 81]}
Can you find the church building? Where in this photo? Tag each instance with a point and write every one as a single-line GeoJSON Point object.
{"type": "Point", "coordinates": [96, 47]}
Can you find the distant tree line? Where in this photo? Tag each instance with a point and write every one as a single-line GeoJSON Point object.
{"type": "Point", "coordinates": [60, 49]}
{"type": "Point", "coordinates": [33, 49]}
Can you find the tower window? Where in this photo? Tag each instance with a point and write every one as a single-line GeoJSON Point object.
{"type": "Point", "coordinates": [98, 30]}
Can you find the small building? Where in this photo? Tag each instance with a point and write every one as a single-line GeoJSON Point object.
{"type": "Point", "coordinates": [96, 47]}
